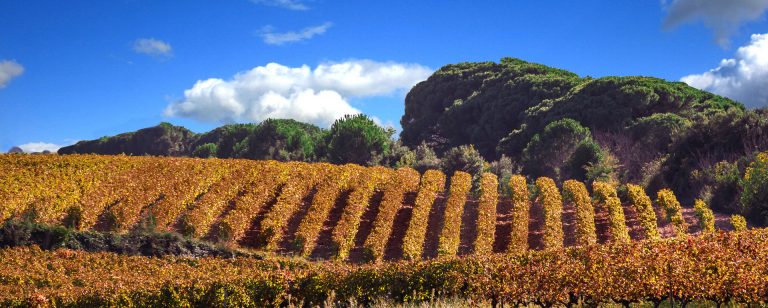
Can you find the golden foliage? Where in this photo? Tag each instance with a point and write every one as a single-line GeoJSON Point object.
{"type": "Point", "coordinates": [673, 211]}
{"type": "Point", "coordinates": [405, 180]}
{"type": "Point", "coordinates": [521, 206]}
{"type": "Point", "coordinates": [486, 214]}
{"type": "Point", "coordinates": [605, 196]}
{"type": "Point", "coordinates": [576, 192]}
{"type": "Point", "coordinates": [552, 203]}
{"type": "Point", "coordinates": [738, 222]}
{"type": "Point", "coordinates": [705, 215]}
{"type": "Point", "coordinates": [644, 209]}
{"type": "Point", "coordinates": [432, 184]}
{"type": "Point", "coordinates": [448, 244]}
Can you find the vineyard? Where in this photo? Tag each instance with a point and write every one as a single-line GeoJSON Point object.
{"type": "Point", "coordinates": [324, 211]}
{"type": "Point", "coordinates": [709, 270]}
{"type": "Point", "coordinates": [520, 242]}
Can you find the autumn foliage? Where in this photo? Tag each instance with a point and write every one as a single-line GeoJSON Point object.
{"type": "Point", "coordinates": [719, 267]}
{"type": "Point", "coordinates": [552, 204]}
{"type": "Point", "coordinates": [486, 216]}
{"type": "Point", "coordinates": [672, 210]}
{"type": "Point", "coordinates": [644, 209]}
{"type": "Point", "coordinates": [705, 215]}
{"type": "Point", "coordinates": [521, 205]}
{"type": "Point", "coordinates": [461, 183]}
{"type": "Point", "coordinates": [576, 192]}
{"type": "Point", "coordinates": [432, 184]}
{"type": "Point", "coordinates": [405, 180]}
{"type": "Point", "coordinates": [606, 197]}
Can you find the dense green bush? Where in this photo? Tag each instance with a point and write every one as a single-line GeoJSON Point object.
{"type": "Point", "coordinates": [284, 140]}
{"type": "Point", "coordinates": [754, 197]}
{"type": "Point", "coordinates": [587, 153]}
{"type": "Point", "coordinates": [504, 168]}
{"type": "Point", "coordinates": [657, 131]}
{"type": "Point", "coordinates": [205, 151]}
{"type": "Point", "coordinates": [463, 158]}
{"type": "Point", "coordinates": [229, 139]}
{"type": "Point", "coordinates": [721, 184]}
{"type": "Point", "coordinates": [728, 137]}
{"type": "Point", "coordinates": [561, 151]}
{"type": "Point", "coordinates": [397, 156]}
{"type": "Point", "coordinates": [425, 158]}
{"type": "Point", "coordinates": [356, 139]}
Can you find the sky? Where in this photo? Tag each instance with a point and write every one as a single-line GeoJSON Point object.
{"type": "Point", "coordinates": [77, 70]}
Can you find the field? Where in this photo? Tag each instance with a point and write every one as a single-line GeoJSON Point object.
{"type": "Point", "coordinates": [517, 242]}
{"type": "Point", "coordinates": [319, 210]}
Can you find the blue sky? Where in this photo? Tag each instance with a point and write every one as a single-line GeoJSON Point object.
{"type": "Point", "coordinates": [74, 70]}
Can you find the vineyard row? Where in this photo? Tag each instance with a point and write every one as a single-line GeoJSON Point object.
{"type": "Point", "coordinates": [718, 268]}
{"type": "Point", "coordinates": [263, 204]}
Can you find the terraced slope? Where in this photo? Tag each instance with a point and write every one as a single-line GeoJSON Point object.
{"type": "Point", "coordinates": [317, 210]}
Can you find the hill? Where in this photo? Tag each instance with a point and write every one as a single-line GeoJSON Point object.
{"type": "Point", "coordinates": [499, 107]}
{"type": "Point", "coordinates": [279, 139]}
{"type": "Point", "coordinates": [656, 133]}
{"type": "Point", "coordinates": [528, 118]}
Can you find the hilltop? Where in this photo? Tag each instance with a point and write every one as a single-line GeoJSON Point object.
{"type": "Point", "coordinates": [522, 117]}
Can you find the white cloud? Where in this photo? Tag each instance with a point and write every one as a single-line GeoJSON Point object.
{"type": "Point", "coordinates": [743, 78]}
{"type": "Point", "coordinates": [39, 147]}
{"type": "Point", "coordinates": [9, 69]}
{"type": "Point", "coordinates": [723, 16]}
{"type": "Point", "coordinates": [153, 47]}
{"type": "Point", "coordinates": [318, 95]}
{"type": "Point", "coordinates": [295, 5]}
{"type": "Point", "coordinates": [273, 38]}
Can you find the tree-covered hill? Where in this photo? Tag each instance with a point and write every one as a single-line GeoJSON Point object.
{"type": "Point", "coordinates": [161, 140]}
{"type": "Point", "coordinates": [498, 107]}
{"type": "Point", "coordinates": [552, 122]}
{"type": "Point", "coordinates": [512, 117]}
{"type": "Point", "coordinates": [353, 139]}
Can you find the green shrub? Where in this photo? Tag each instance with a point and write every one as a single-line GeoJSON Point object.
{"type": "Point", "coordinates": [425, 158]}
{"type": "Point", "coordinates": [463, 158]}
{"type": "Point", "coordinates": [14, 233]}
{"type": "Point", "coordinates": [754, 197]}
{"type": "Point", "coordinates": [357, 139]}
{"type": "Point", "coordinates": [284, 140]}
{"type": "Point", "coordinates": [205, 151]}
{"type": "Point", "coordinates": [504, 168]}
{"type": "Point", "coordinates": [551, 152]}
{"type": "Point", "coordinates": [587, 153]}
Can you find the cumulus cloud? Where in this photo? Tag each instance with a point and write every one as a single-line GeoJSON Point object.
{"type": "Point", "coordinates": [39, 147]}
{"type": "Point", "coordinates": [9, 69]}
{"type": "Point", "coordinates": [318, 95]}
{"type": "Point", "coordinates": [743, 78]}
{"type": "Point", "coordinates": [723, 16]}
{"type": "Point", "coordinates": [295, 5]}
{"type": "Point", "coordinates": [271, 37]}
{"type": "Point", "coordinates": [152, 47]}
